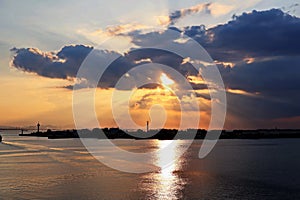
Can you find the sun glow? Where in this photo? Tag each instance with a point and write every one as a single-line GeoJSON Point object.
{"type": "Point", "coordinates": [166, 80]}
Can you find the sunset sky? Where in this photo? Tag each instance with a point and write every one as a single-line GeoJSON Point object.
{"type": "Point", "coordinates": [254, 43]}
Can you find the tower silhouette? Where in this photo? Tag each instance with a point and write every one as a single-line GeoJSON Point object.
{"type": "Point", "coordinates": [38, 127]}
{"type": "Point", "coordinates": [147, 126]}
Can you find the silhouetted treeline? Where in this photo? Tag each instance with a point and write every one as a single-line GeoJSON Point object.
{"type": "Point", "coordinates": [168, 134]}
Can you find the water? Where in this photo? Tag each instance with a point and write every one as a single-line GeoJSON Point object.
{"type": "Point", "coordinates": [38, 168]}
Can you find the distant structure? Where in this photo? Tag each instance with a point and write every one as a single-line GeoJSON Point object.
{"type": "Point", "coordinates": [38, 127]}
{"type": "Point", "coordinates": [147, 126]}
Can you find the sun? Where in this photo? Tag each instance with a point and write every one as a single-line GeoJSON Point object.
{"type": "Point", "coordinates": [166, 80]}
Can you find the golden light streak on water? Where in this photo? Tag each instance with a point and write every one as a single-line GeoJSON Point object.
{"type": "Point", "coordinates": [166, 183]}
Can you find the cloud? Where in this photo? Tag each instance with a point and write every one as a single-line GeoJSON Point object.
{"type": "Point", "coordinates": [217, 9]}
{"type": "Point", "coordinates": [256, 38]}
{"type": "Point", "coordinates": [291, 9]}
{"type": "Point", "coordinates": [213, 9]}
{"type": "Point", "coordinates": [138, 57]}
{"type": "Point", "coordinates": [63, 64]}
{"type": "Point", "coordinates": [176, 15]}
{"type": "Point", "coordinates": [257, 54]}
{"type": "Point", "coordinates": [267, 77]}
{"type": "Point", "coordinates": [124, 28]}
{"type": "Point", "coordinates": [270, 88]}
{"type": "Point", "coordinates": [255, 34]}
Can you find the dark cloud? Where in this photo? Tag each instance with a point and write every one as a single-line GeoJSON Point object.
{"type": "Point", "coordinates": [255, 34]}
{"type": "Point", "coordinates": [203, 96]}
{"type": "Point", "coordinates": [63, 64]}
{"type": "Point", "coordinates": [272, 76]}
{"type": "Point", "coordinates": [271, 39]}
{"type": "Point", "coordinates": [275, 85]}
{"type": "Point", "coordinates": [127, 62]}
{"type": "Point", "coordinates": [198, 86]}
{"type": "Point", "coordinates": [263, 107]}
{"type": "Point", "coordinates": [151, 86]}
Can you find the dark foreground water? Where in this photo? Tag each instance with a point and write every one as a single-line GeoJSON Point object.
{"type": "Point", "coordinates": [38, 168]}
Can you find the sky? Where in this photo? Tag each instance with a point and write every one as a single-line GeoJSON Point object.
{"type": "Point", "coordinates": [253, 43]}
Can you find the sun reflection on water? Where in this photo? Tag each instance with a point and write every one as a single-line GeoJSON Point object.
{"type": "Point", "coordinates": [167, 182]}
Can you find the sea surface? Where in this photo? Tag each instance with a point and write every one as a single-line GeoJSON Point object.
{"type": "Point", "coordinates": [38, 168]}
